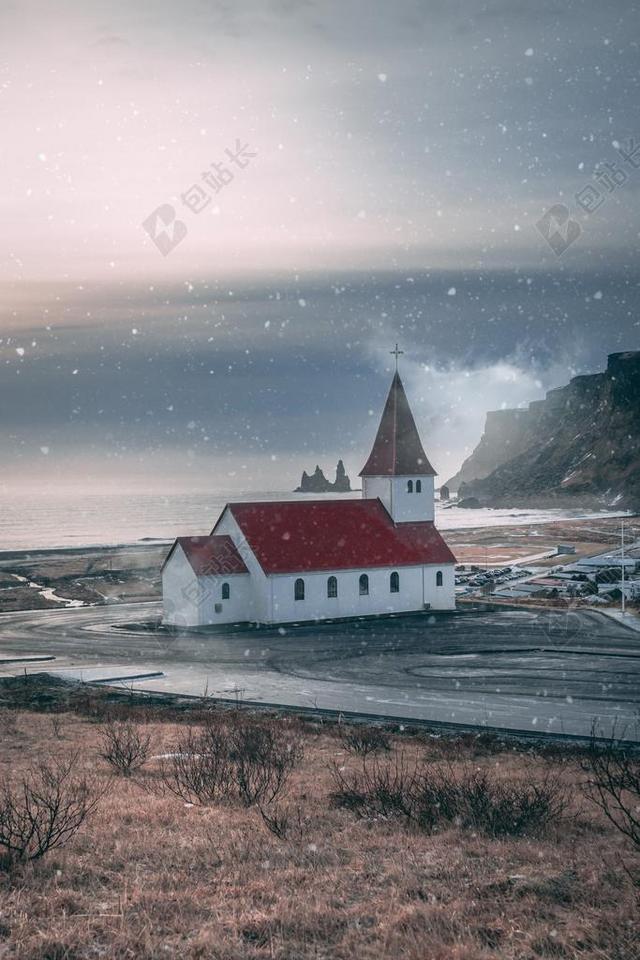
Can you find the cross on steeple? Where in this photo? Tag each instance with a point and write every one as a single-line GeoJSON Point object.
{"type": "Point", "coordinates": [396, 353]}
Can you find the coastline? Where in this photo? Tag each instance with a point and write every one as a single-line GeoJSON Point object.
{"type": "Point", "coordinates": [129, 571]}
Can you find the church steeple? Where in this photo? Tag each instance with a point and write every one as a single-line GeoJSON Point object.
{"type": "Point", "coordinates": [398, 471]}
{"type": "Point", "coordinates": [397, 450]}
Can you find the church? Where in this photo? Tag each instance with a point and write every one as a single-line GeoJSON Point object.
{"type": "Point", "coordinates": [287, 561]}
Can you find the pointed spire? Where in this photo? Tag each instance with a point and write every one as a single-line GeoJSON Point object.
{"type": "Point", "coordinates": [397, 450]}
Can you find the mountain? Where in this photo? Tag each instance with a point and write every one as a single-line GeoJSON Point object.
{"type": "Point", "coordinates": [578, 446]}
{"type": "Point", "coordinates": [502, 440]}
{"type": "Point", "coordinates": [318, 483]}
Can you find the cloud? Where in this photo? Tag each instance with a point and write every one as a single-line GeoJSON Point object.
{"type": "Point", "coordinates": [116, 108]}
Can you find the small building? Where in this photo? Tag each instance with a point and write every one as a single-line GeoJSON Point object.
{"type": "Point", "coordinates": [292, 561]}
{"type": "Point", "coordinates": [566, 549]}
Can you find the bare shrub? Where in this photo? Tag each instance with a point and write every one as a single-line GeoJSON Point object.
{"type": "Point", "coordinates": [427, 796]}
{"type": "Point", "coordinates": [263, 759]}
{"type": "Point", "coordinates": [124, 747]}
{"type": "Point", "coordinates": [200, 769]}
{"type": "Point", "coordinates": [43, 810]}
{"type": "Point", "coordinates": [364, 740]}
{"type": "Point", "coordinates": [56, 725]}
{"type": "Point", "coordinates": [246, 760]}
{"type": "Point", "coordinates": [613, 783]}
{"type": "Point", "coordinates": [285, 823]}
{"type": "Point", "coordinates": [510, 808]}
{"type": "Point", "coordinates": [378, 789]}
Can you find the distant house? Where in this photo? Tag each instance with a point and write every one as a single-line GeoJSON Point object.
{"type": "Point", "coordinates": [285, 561]}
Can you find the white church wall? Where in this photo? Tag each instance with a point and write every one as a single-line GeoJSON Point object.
{"type": "Point", "coordinates": [191, 601]}
{"type": "Point", "coordinates": [439, 597]}
{"type": "Point", "coordinates": [179, 584]}
{"type": "Point", "coordinates": [349, 603]}
{"type": "Point", "coordinates": [260, 590]}
{"type": "Point", "coordinates": [237, 608]}
{"type": "Point", "coordinates": [415, 506]}
{"type": "Point", "coordinates": [403, 506]}
{"type": "Point", "coordinates": [377, 488]}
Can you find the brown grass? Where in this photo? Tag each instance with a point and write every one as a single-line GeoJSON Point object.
{"type": "Point", "coordinates": [152, 877]}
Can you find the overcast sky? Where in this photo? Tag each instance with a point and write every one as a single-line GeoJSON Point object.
{"type": "Point", "coordinates": [401, 155]}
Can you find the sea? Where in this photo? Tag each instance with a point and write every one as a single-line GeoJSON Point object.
{"type": "Point", "coordinates": [74, 520]}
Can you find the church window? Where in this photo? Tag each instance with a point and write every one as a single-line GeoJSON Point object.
{"type": "Point", "coordinates": [226, 591]}
{"type": "Point", "coordinates": [409, 486]}
{"type": "Point", "coordinates": [332, 587]}
{"type": "Point", "coordinates": [298, 589]}
{"type": "Point", "coordinates": [394, 582]}
{"type": "Point", "coordinates": [418, 486]}
{"type": "Point", "coordinates": [217, 607]}
{"type": "Point", "coordinates": [364, 585]}
{"type": "Point", "coordinates": [439, 578]}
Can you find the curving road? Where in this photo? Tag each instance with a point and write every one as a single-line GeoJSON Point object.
{"type": "Point", "coordinates": [514, 669]}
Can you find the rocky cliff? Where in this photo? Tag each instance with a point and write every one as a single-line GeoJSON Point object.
{"type": "Point", "coordinates": [503, 438]}
{"type": "Point", "coordinates": [318, 483]}
{"type": "Point", "coordinates": [580, 445]}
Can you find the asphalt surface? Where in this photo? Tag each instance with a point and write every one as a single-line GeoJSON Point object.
{"type": "Point", "coordinates": [515, 669]}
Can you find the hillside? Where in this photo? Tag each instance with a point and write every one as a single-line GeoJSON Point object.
{"type": "Point", "coordinates": [314, 874]}
{"type": "Point", "coordinates": [581, 445]}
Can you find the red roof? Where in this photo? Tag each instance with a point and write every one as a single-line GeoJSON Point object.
{"type": "Point", "coordinates": [297, 536]}
{"type": "Point", "coordinates": [397, 450]}
{"type": "Point", "coordinates": [211, 556]}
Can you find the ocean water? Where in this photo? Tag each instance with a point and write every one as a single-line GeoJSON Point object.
{"type": "Point", "coordinates": [30, 522]}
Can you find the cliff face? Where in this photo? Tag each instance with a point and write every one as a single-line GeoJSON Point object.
{"type": "Point", "coordinates": [503, 438]}
{"type": "Point", "coordinates": [581, 444]}
{"type": "Point", "coordinates": [318, 483]}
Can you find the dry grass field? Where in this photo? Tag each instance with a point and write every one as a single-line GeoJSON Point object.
{"type": "Point", "coordinates": [150, 875]}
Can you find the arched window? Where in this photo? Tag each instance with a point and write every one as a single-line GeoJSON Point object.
{"type": "Point", "coordinates": [418, 486]}
{"type": "Point", "coordinates": [298, 589]}
{"type": "Point", "coordinates": [332, 587]}
{"type": "Point", "coordinates": [364, 585]}
{"type": "Point", "coordinates": [439, 578]}
{"type": "Point", "coordinates": [226, 591]}
{"type": "Point", "coordinates": [409, 486]}
{"type": "Point", "coordinates": [394, 582]}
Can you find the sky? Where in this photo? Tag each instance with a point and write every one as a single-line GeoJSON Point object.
{"type": "Point", "coordinates": [334, 177]}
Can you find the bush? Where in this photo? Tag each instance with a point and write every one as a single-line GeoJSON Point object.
{"type": "Point", "coordinates": [124, 747]}
{"type": "Point", "coordinates": [427, 797]}
{"type": "Point", "coordinates": [263, 760]}
{"type": "Point", "coordinates": [364, 740]}
{"type": "Point", "coordinates": [510, 808]}
{"type": "Point", "coordinates": [250, 761]}
{"type": "Point", "coordinates": [379, 789]}
{"type": "Point", "coordinates": [200, 769]}
{"type": "Point", "coordinates": [43, 810]}
{"type": "Point", "coordinates": [613, 783]}
{"type": "Point", "coordinates": [285, 823]}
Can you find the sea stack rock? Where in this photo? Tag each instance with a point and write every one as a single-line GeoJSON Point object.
{"type": "Point", "coordinates": [318, 483]}
{"type": "Point", "coordinates": [342, 483]}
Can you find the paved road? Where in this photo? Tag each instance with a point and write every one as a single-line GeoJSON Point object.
{"type": "Point", "coordinates": [516, 669]}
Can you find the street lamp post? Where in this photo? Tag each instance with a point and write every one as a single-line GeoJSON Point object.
{"type": "Point", "coordinates": [622, 552]}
